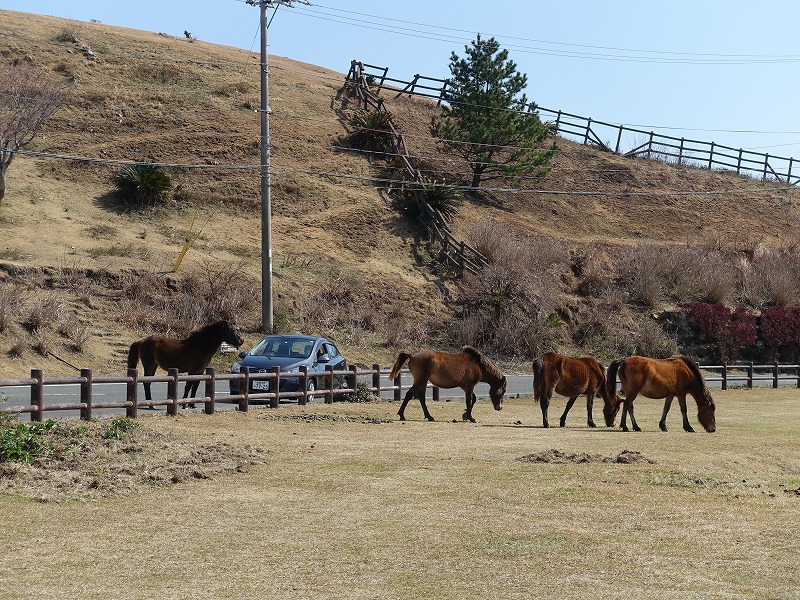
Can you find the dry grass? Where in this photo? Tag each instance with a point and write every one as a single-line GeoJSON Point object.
{"type": "Point", "coordinates": [353, 504]}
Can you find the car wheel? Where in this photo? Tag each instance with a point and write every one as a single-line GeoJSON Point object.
{"type": "Point", "coordinates": [311, 386]}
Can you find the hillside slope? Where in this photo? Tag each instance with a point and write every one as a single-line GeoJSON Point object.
{"type": "Point", "coordinates": [346, 262]}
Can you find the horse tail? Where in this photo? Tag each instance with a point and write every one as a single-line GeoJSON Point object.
{"type": "Point", "coordinates": [698, 376]}
{"type": "Point", "coordinates": [538, 379]}
{"type": "Point", "coordinates": [133, 355]}
{"type": "Point", "coordinates": [611, 377]}
{"type": "Point", "coordinates": [398, 364]}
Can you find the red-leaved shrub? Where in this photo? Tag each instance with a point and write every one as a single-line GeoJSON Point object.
{"type": "Point", "coordinates": [729, 331]}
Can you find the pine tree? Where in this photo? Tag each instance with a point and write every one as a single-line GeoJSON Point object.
{"type": "Point", "coordinates": [487, 120]}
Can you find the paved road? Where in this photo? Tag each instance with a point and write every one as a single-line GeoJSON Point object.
{"type": "Point", "coordinates": [115, 392]}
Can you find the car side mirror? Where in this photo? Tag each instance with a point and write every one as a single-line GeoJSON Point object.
{"type": "Point", "coordinates": [323, 359]}
{"type": "Point", "coordinates": [242, 354]}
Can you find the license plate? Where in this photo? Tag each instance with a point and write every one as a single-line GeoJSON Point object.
{"type": "Point", "coordinates": [260, 385]}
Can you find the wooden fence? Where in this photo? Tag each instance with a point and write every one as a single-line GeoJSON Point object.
{"type": "Point", "coordinates": [133, 402]}
{"type": "Point", "coordinates": [609, 136]}
{"type": "Point", "coordinates": [454, 252]}
{"type": "Point", "coordinates": [744, 374]}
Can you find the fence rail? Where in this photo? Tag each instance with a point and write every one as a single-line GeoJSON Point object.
{"type": "Point", "coordinates": [455, 252]}
{"type": "Point", "coordinates": [37, 384]}
{"type": "Point", "coordinates": [746, 374]}
{"type": "Point", "coordinates": [609, 136]}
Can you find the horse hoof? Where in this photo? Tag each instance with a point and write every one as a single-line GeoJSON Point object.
{"type": "Point", "coordinates": [637, 428]}
{"type": "Point", "coordinates": [562, 424]}
{"type": "Point", "coordinates": [591, 424]}
{"type": "Point", "coordinates": [430, 419]}
{"type": "Point", "coordinates": [688, 430]}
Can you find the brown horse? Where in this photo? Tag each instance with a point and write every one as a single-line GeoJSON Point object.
{"type": "Point", "coordinates": [570, 377]}
{"type": "Point", "coordinates": [463, 369]}
{"type": "Point", "coordinates": [655, 378]}
{"type": "Point", "coordinates": [191, 355]}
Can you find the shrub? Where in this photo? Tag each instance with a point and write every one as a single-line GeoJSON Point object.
{"type": "Point", "coordinates": [143, 185]}
{"type": "Point", "coordinates": [371, 131]}
{"type": "Point", "coordinates": [779, 329]}
{"type": "Point", "coordinates": [730, 332]}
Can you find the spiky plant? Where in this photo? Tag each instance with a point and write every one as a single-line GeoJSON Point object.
{"type": "Point", "coordinates": [371, 131]}
{"type": "Point", "coordinates": [442, 195]}
{"type": "Point", "coordinates": [143, 185]}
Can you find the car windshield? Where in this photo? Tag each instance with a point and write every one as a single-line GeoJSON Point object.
{"type": "Point", "coordinates": [284, 347]}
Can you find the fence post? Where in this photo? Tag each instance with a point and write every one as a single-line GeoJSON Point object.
{"type": "Point", "coordinates": [711, 156]}
{"type": "Point", "coordinates": [302, 385]}
{"type": "Point", "coordinates": [37, 395]}
{"type": "Point", "coordinates": [619, 140]}
{"type": "Point", "coordinates": [649, 145]}
{"type": "Point", "coordinates": [376, 379]}
{"type": "Point", "coordinates": [244, 390]}
{"type": "Point", "coordinates": [750, 375]}
{"type": "Point", "coordinates": [588, 130]}
{"type": "Point", "coordinates": [398, 384]}
{"type": "Point", "coordinates": [775, 374]}
{"type": "Point", "coordinates": [352, 380]}
{"type": "Point", "coordinates": [680, 153]}
{"type": "Point", "coordinates": [766, 166]}
{"type": "Point", "coordinates": [86, 394]}
{"type": "Point", "coordinates": [275, 387]}
{"type": "Point", "coordinates": [329, 395]}
{"type": "Point", "coordinates": [172, 392]}
{"type": "Point", "coordinates": [789, 173]}
{"type": "Point", "coordinates": [739, 162]}
{"type": "Point", "coordinates": [211, 391]}
{"type": "Point", "coordinates": [130, 394]}
{"type": "Point", "coordinates": [435, 393]}
{"type": "Point", "coordinates": [724, 376]}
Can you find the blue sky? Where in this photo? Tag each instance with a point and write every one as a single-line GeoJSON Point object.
{"type": "Point", "coordinates": [711, 70]}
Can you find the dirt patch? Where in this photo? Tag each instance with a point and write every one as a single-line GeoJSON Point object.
{"type": "Point", "coordinates": [626, 457]}
{"type": "Point", "coordinates": [81, 463]}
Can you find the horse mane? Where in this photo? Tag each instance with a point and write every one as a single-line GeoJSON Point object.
{"type": "Point", "coordinates": [485, 364]}
{"type": "Point", "coordinates": [200, 335]}
{"type": "Point", "coordinates": [699, 376]}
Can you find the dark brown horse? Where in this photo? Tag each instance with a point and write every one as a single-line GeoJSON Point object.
{"type": "Point", "coordinates": [659, 378]}
{"type": "Point", "coordinates": [463, 369]}
{"type": "Point", "coordinates": [570, 377]}
{"type": "Point", "coordinates": [191, 355]}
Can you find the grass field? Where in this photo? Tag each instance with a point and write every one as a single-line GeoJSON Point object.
{"type": "Point", "coordinates": [351, 503]}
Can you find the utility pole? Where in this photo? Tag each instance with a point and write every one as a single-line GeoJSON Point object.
{"type": "Point", "coordinates": [266, 201]}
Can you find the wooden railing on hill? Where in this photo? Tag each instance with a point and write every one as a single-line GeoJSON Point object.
{"type": "Point", "coordinates": [745, 374]}
{"type": "Point", "coordinates": [454, 252]}
{"type": "Point", "coordinates": [648, 144]}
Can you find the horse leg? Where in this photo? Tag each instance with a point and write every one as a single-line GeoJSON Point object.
{"type": "Point", "coordinates": [682, 402]}
{"type": "Point", "coordinates": [662, 424]}
{"type": "Point", "coordinates": [570, 402]}
{"type": "Point", "coordinates": [190, 386]}
{"type": "Point", "coordinates": [411, 393]}
{"type": "Point", "coordinates": [589, 405]}
{"type": "Point", "coordinates": [627, 407]}
{"type": "Point", "coordinates": [421, 397]}
{"type": "Point", "coordinates": [544, 402]}
{"type": "Point", "coordinates": [471, 399]}
{"type": "Point", "coordinates": [149, 370]}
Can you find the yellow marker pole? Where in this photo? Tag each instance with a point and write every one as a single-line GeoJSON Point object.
{"type": "Point", "coordinates": [187, 244]}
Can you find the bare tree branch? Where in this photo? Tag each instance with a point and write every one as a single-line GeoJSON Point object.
{"type": "Point", "coordinates": [27, 100]}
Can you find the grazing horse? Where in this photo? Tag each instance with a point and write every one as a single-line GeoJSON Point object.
{"type": "Point", "coordinates": [463, 369]}
{"type": "Point", "coordinates": [191, 355]}
{"type": "Point", "coordinates": [570, 377]}
{"type": "Point", "coordinates": [656, 378]}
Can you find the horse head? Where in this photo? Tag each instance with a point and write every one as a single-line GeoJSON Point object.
{"type": "Point", "coordinates": [232, 335]}
{"type": "Point", "coordinates": [610, 410]}
{"type": "Point", "coordinates": [497, 391]}
{"type": "Point", "coordinates": [705, 414]}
